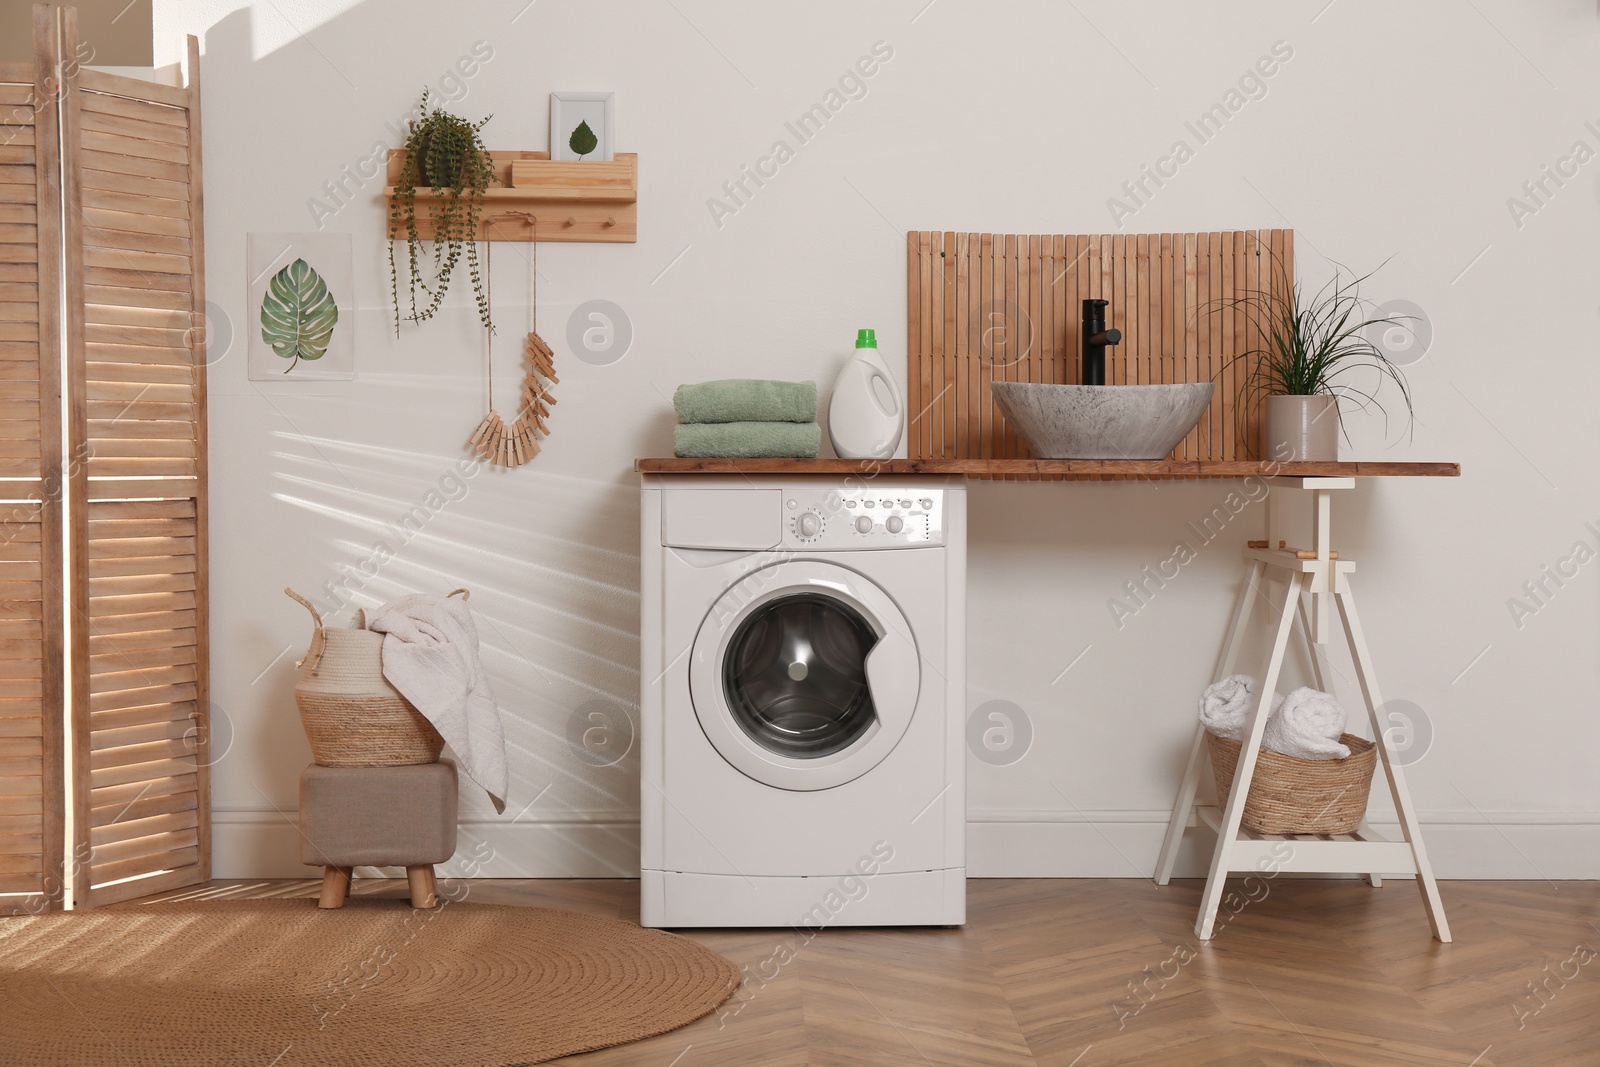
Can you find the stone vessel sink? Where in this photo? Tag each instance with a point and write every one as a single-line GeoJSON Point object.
{"type": "Point", "coordinates": [1103, 421]}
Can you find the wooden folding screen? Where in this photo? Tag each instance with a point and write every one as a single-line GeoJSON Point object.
{"type": "Point", "coordinates": [31, 605]}
{"type": "Point", "coordinates": [136, 386]}
{"type": "Point", "coordinates": [100, 262]}
{"type": "Point", "coordinates": [1007, 307]}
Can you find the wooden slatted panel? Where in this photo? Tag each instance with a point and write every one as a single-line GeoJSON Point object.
{"type": "Point", "coordinates": [137, 389]}
{"type": "Point", "coordinates": [31, 609]}
{"type": "Point", "coordinates": [30, 752]}
{"type": "Point", "coordinates": [20, 326]}
{"type": "Point", "coordinates": [139, 362]}
{"type": "Point", "coordinates": [1004, 307]}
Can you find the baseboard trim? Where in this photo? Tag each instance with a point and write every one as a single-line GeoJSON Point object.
{"type": "Point", "coordinates": [265, 843]}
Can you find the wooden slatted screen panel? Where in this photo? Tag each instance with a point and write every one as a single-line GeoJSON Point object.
{"type": "Point", "coordinates": [31, 607]}
{"type": "Point", "coordinates": [1007, 307]}
{"type": "Point", "coordinates": [136, 386]}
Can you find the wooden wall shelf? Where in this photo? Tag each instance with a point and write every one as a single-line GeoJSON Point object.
{"type": "Point", "coordinates": [559, 200]}
{"type": "Point", "coordinates": [1034, 468]}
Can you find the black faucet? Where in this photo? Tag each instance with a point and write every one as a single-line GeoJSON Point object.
{"type": "Point", "coordinates": [1095, 339]}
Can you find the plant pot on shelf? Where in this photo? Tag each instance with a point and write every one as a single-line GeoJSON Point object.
{"type": "Point", "coordinates": [1301, 428]}
{"type": "Point", "coordinates": [451, 171]}
{"type": "Point", "coordinates": [458, 182]}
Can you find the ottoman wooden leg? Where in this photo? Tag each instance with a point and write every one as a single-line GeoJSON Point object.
{"type": "Point", "coordinates": [335, 884]}
{"type": "Point", "coordinates": [423, 888]}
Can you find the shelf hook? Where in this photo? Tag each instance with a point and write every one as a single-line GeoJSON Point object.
{"type": "Point", "coordinates": [527, 217]}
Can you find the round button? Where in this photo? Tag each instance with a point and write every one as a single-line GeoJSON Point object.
{"type": "Point", "coordinates": [809, 524]}
{"type": "Point", "coordinates": [863, 525]}
{"type": "Point", "coordinates": [926, 503]}
{"type": "Point", "coordinates": [895, 524]}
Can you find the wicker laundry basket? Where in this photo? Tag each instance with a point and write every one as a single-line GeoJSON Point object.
{"type": "Point", "coordinates": [352, 716]}
{"type": "Point", "coordinates": [1299, 796]}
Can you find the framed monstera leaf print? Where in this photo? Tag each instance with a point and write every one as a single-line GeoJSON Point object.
{"type": "Point", "coordinates": [299, 309]}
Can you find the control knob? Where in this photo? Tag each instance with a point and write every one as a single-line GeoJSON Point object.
{"type": "Point", "coordinates": [864, 524]}
{"type": "Point", "coordinates": [809, 524]}
{"type": "Point", "coordinates": [894, 524]}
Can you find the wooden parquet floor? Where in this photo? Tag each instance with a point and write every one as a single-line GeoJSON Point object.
{"type": "Point", "coordinates": [1091, 973]}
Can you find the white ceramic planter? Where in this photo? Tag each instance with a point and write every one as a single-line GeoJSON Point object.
{"type": "Point", "coordinates": [1300, 427]}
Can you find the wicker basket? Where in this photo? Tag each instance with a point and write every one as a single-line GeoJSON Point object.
{"type": "Point", "coordinates": [352, 716]}
{"type": "Point", "coordinates": [1299, 796]}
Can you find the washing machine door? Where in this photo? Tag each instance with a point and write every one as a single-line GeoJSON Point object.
{"type": "Point", "coordinates": [804, 675]}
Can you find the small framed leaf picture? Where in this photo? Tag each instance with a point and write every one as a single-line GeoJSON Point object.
{"type": "Point", "coordinates": [300, 315]}
{"type": "Point", "coordinates": [582, 125]}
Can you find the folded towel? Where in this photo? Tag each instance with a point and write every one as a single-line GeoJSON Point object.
{"type": "Point", "coordinates": [430, 654]}
{"type": "Point", "coordinates": [748, 440]}
{"type": "Point", "coordinates": [746, 400]}
{"type": "Point", "coordinates": [1307, 725]}
{"type": "Point", "coordinates": [1225, 706]}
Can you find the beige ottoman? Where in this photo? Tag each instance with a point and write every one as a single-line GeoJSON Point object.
{"type": "Point", "coordinates": [378, 817]}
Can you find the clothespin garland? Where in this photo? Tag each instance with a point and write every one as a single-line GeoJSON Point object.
{"type": "Point", "coordinates": [516, 444]}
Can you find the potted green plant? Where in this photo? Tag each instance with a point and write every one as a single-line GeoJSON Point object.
{"type": "Point", "coordinates": [445, 155]}
{"type": "Point", "coordinates": [1304, 350]}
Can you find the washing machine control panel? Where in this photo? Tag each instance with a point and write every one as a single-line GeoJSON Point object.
{"type": "Point", "coordinates": [863, 518]}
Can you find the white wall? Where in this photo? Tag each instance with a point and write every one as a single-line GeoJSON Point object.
{"type": "Point", "coordinates": [1395, 132]}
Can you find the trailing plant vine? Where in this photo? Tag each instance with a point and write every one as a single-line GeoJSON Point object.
{"type": "Point", "coordinates": [445, 153]}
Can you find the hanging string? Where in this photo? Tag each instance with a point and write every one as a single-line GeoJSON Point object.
{"type": "Point", "coordinates": [488, 299]}
{"type": "Point", "coordinates": [540, 374]}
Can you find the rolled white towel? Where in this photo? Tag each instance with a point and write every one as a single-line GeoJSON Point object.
{"type": "Point", "coordinates": [1307, 725]}
{"type": "Point", "coordinates": [1225, 706]}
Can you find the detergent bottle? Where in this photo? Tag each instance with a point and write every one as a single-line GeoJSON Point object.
{"type": "Point", "coordinates": [866, 415]}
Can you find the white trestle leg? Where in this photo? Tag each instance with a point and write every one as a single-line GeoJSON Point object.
{"type": "Point", "coordinates": [1182, 808]}
{"type": "Point", "coordinates": [1319, 580]}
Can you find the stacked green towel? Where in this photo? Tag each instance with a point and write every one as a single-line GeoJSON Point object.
{"type": "Point", "coordinates": [746, 400]}
{"type": "Point", "coordinates": [747, 440]}
{"type": "Point", "coordinates": [747, 418]}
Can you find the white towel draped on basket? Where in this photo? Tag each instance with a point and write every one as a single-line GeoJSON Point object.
{"type": "Point", "coordinates": [430, 654]}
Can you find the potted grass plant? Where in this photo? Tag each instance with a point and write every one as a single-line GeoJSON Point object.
{"type": "Point", "coordinates": [1307, 355]}
{"type": "Point", "coordinates": [445, 156]}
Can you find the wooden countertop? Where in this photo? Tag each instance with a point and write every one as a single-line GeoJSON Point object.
{"type": "Point", "coordinates": [1147, 468]}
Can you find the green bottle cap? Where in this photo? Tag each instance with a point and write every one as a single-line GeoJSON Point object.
{"type": "Point", "coordinates": [866, 339]}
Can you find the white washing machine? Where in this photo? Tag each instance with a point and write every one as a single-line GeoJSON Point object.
{"type": "Point", "coordinates": [803, 676]}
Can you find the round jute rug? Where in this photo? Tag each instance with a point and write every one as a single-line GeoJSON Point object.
{"type": "Point", "coordinates": [277, 983]}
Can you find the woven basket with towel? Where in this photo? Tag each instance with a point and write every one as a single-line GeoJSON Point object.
{"type": "Point", "coordinates": [1310, 778]}
{"type": "Point", "coordinates": [747, 418]}
{"type": "Point", "coordinates": [352, 716]}
{"type": "Point", "coordinates": [1289, 795]}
